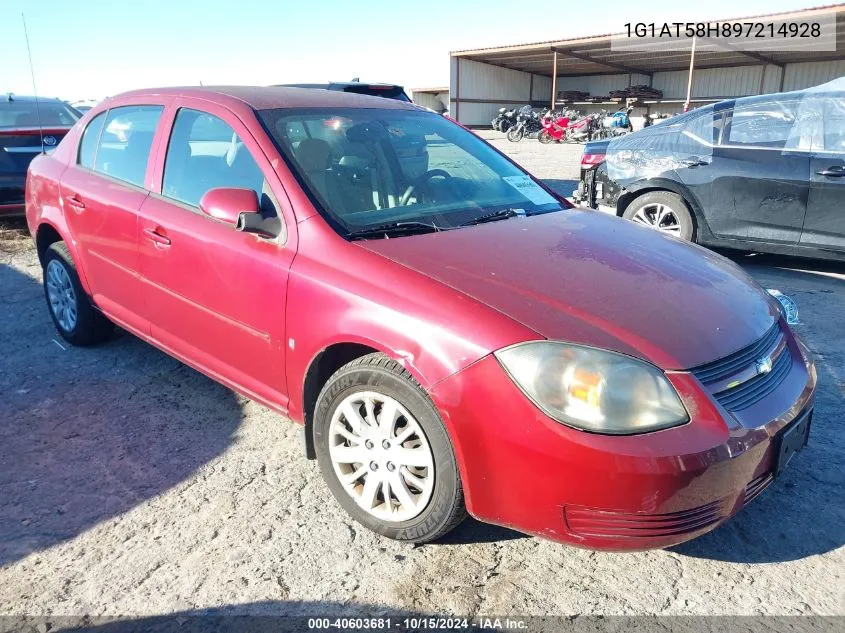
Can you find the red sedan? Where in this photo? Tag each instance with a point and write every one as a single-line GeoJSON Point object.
{"type": "Point", "coordinates": [452, 335]}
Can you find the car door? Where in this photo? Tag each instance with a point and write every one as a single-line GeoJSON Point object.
{"type": "Point", "coordinates": [760, 176]}
{"type": "Point", "coordinates": [824, 225]}
{"type": "Point", "coordinates": [213, 295]}
{"type": "Point", "coordinates": [101, 194]}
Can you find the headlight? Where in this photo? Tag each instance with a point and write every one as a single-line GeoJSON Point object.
{"type": "Point", "coordinates": [592, 389]}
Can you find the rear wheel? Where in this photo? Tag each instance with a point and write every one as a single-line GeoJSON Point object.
{"type": "Point", "coordinates": [664, 211]}
{"type": "Point", "coordinates": [74, 316]}
{"type": "Point", "coordinates": [385, 453]}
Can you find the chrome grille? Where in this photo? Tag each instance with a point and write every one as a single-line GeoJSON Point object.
{"type": "Point", "coordinates": [735, 397]}
{"type": "Point", "coordinates": [729, 365]}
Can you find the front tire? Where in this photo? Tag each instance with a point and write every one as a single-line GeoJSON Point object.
{"type": "Point", "coordinates": [73, 314]}
{"type": "Point", "coordinates": [664, 211]}
{"type": "Point", "coordinates": [516, 133]}
{"type": "Point", "coordinates": [544, 137]}
{"type": "Point", "coordinates": [385, 453]}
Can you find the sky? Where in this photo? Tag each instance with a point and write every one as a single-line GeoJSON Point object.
{"type": "Point", "coordinates": [90, 49]}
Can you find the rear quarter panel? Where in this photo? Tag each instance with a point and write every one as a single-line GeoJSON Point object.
{"type": "Point", "coordinates": [43, 192]}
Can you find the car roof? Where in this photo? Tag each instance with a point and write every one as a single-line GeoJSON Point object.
{"type": "Point", "coordinates": [272, 97]}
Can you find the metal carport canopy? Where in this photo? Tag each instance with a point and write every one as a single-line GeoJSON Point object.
{"type": "Point", "coordinates": [595, 56]}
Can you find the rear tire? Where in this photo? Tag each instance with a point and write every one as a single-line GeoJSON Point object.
{"type": "Point", "coordinates": [73, 314]}
{"type": "Point", "coordinates": [664, 211]}
{"type": "Point", "coordinates": [359, 450]}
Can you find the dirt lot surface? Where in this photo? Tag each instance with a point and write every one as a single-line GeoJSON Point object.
{"type": "Point", "coordinates": [132, 485]}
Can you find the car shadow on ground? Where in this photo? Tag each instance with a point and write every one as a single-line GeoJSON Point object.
{"type": "Point", "coordinates": [803, 512]}
{"type": "Point", "coordinates": [89, 433]}
{"type": "Point", "coordinates": [472, 531]}
{"type": "Point", "coordinates": [282, 616]}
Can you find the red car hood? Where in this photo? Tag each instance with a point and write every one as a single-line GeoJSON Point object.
{"type": "Point", "coordinates": [593, 279]}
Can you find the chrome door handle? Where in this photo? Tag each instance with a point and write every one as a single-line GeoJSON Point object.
{"type": "Point", "coordinates": [75, 202]}
{"type": "Point", "coordinates": [154, 236]}
{"type": "Point", "coordinates": [837, 171]}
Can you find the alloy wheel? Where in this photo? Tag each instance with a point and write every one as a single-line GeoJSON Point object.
{"type": "Point", "coordinates": [658, 216]}
{"type": "Point", "coordinates": [62, 296]}
{"type": "Point", "coordinates": [381, 456]}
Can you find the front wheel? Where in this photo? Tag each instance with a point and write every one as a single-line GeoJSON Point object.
{"type": "Point", "coordinates": [385, 453]}
{"type": "Point", "coordinates": [663, 211]}
{"type": "Point", "coordinates": [545, 138]}
{"type": "Point", "coordinates": [516, 133]}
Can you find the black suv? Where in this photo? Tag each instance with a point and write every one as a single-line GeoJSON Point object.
{"type": "Point", "coordinates": [763, 174]}
{"type": "Point", "coordinates": [388, 91]}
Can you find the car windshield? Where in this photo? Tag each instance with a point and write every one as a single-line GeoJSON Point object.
{"type": "Point", "coordinates": [24, 114]}
{"type": "Point", "coordinates": [371, 167]}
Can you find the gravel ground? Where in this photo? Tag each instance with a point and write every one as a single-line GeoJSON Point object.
{"type": "Point", "coordinates": [132, 485]}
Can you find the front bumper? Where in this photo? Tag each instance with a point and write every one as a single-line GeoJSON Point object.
{"type": "Point", "coordinates": [522, 470]}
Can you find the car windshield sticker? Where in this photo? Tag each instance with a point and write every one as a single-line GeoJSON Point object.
{"type": "Point", "coordinates": [530, 189]}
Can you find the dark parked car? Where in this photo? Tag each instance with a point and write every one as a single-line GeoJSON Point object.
{"type": "Point", "coordinates": [25, 132]}
{"type": "Point", "coordinates": [763, 174]}
{"type": "Point", "coordinates": [388, 91]}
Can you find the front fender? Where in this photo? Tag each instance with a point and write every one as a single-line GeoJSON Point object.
{"type": "Point", "coordinates": [357, 296]}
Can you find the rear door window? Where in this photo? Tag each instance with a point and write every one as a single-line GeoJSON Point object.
{"type": "Point", "coordinates": [834, 125]}
{"type": "Point", "coordinates": [767, 124]}
{"type": "Point", "coordinates": [125, 142]}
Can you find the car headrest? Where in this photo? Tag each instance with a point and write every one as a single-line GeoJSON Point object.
{"type": "Point", "coordinates": [314, 154]}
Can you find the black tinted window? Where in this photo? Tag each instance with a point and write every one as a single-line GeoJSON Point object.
{"type": "Point", "coordinates": [205, 153]}
{"type": "Point", "coordinates": [125, 143]}
{"type": "Point", "coordinates": [761, 124]}
{"type": "Point", "coordinates": [25, 114]}
{"type": "Point", "coordinates": [90, 138]}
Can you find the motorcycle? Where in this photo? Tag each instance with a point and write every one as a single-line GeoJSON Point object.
{"type": "Point", "coordinates": [505, 119]}
{"type": "Point", "coordinates": [615, 124]}
{"type": "Point", "coordinates": [555, 125]}
{"type": "Point", "coordinates": [527, 123]}
{"type": "Point", "coordinates": [583, 129]}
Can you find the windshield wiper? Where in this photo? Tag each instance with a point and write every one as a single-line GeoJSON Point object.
{"type": "Point", "coordinates": [494, 216]}
{"type": "Point", "coordinates": [394, 229]}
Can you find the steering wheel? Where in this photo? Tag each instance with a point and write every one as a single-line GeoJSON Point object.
{"type": "Point", "coordinates": [431, 173]}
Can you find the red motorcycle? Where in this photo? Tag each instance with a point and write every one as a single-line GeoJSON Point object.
{"type": "Point", "coordinates": [554, 127]}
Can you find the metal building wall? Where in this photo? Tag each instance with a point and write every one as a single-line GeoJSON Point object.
{"type": "Point", "coordinates": [483, 88]}
{"type": "Point", "coordinates": [714, 82]}
{"type": "Point", "coordinates": [434, 101]}
{"type": "Point", "coordinates": [808, 74]}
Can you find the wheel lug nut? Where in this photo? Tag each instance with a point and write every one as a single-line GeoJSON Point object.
{"type": "Point", "coordinates": [390, 466]}
{"type": "Point", "coordinates": [373, 466]}
{"type": "Point", "coordinates": [368, 444]}
{"type": "Point", "coordinates": [385, 444]}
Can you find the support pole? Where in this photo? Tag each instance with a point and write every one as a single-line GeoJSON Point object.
{"type": "Point", "coordinates": [691, 70]}
{"type": "Point", "coordinates": [554, 79]}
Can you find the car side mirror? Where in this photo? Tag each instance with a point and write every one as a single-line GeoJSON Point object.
{"type": "Point", "coordinates": [235, 207]}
